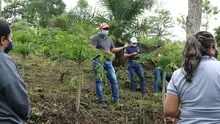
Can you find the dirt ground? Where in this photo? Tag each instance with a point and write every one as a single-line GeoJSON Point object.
{"type": "Point", "coordinates": [53, 100]}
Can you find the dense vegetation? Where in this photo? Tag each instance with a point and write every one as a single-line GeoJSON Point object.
{"type": "Point", "coordinates": [52, 48]}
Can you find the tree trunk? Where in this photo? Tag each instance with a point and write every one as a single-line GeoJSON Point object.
{"type": "Point", "coordinates": [163, 86]}
{"type": "Point", "coordinates": [164, 90]}
{"type": "Point", "coordinates": [79, 87]}
{"type": "Point", "coordinates": [0, 8]}
{"type": "Point", "coordinates": [119, 56]}
{"type": "Point", "coordinates": [193, 20]}
{"type": "Point", "coordinates": [23, 58]}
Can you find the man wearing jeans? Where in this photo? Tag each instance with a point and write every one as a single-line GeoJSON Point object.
{"type": "Point", "coordinates": [105, 45]}
{"type": "Point", "coordinates": [132, 53]}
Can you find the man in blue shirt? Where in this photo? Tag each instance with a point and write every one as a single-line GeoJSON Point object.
{"type": "Point", "coordinates": [131, 54]}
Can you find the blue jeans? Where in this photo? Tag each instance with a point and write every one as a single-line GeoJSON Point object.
{"type": "Point", "coordinates": [136, 69]}
{"type": "Point", "coordinates": [108, 67]}
{"type": "Point", "coordinates": [157, 77]}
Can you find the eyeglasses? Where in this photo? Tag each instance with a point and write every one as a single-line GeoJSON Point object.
{"type": "Point", "coordinates": [134, 43]}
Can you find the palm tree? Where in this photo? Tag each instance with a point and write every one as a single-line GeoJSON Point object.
{"type": "Point", "coordinates": [122, 17]}
{"type": "Point", "coordinates": [0, 7]}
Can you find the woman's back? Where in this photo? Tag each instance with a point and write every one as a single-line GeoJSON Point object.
{"type": "Point", "coordinates": [200, 99]}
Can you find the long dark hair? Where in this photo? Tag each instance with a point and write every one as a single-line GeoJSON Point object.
{"type": "Point", "coordinates": [196, 46]}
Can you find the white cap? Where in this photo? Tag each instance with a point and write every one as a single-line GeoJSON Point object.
{"type": "Point", "coordinates": [133, 40]}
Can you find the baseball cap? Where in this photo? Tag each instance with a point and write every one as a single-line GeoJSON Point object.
{"type": "Point", "coordinates": [133, 40]}
{"type": "Point", "coordinates": [104, 25]}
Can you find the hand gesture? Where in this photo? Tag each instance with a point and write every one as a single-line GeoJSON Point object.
{"type": "Point", "coordinates": [108, 52]}
{"type": "Point", "coordinates": [109, 55]}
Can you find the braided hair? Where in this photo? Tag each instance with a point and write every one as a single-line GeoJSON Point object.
{"type": "Point", "coordinates": [196, 46]}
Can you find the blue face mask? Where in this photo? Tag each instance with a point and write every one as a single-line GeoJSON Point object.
{"type": "Point", "coordinates": [105, 32]}
{"type": "Point", "coordinates": [216, 54]}
{"type": "Point", "coordinates": [9, 47]}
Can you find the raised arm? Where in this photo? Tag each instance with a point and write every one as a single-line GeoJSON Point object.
{"type": "Point", "coordinates": [117, 49]}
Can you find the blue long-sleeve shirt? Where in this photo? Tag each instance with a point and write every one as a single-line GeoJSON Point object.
{"type": "Point", "coordinates": [14, 100]}
{"type": "Point", "coordinates": [131, 59]}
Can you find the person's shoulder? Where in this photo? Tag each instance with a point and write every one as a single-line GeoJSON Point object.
{"type": "Point", "coordinates": [179, 72]}
{"type": "Point", "coordinates": [3, 56]}
{"type": "Point", "coordinates": [214, 64]}
{"type": "Point", "coordinates": [129, 48]}
{"type": "Point", "coordinates": [137, 47]}
{"type": "Point", "coordinates": [215, 61]}
{"type": "Point", "coordinates": [210, 61]}
{"type": "Point", "coordinates": [94, 36]}
{"type": "Point", "coordinates": [109, 38]}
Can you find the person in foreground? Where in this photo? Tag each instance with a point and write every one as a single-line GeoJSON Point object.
{"type": "Point", "coordinates": [196, 86]}
{"type": "Point", "coordinates": [104, 44]}
{"type": "Point", "coordinates": [14, 101]}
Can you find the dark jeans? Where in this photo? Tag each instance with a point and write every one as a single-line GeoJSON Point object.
{"type": "Point", "coordinates": [136, 69]}
{"type": "Point", "coordinates": [108, 67]}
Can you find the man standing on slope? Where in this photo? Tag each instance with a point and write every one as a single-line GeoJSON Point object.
{"type": "Point", "coordinates": [131, 54]}
{"type": "Point", "coordinates": [105, 45]}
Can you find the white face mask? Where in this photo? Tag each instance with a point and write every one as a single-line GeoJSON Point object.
{"type": "Point", "coordinates": [105, 32]}
{"type": "Point", "coordinates": [134, 44]}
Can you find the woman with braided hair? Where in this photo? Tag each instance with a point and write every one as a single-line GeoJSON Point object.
{"type": "Point", "coordinates": [196, 86]}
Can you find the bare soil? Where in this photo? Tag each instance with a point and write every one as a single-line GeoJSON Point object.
{"type": "Point", "coordinates": [53, 101]}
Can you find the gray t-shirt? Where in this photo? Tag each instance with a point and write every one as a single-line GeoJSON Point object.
{"type": "Point", "coordinates": [102, 43]}
{"type": "Point", "coordinates": [200, 99]}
